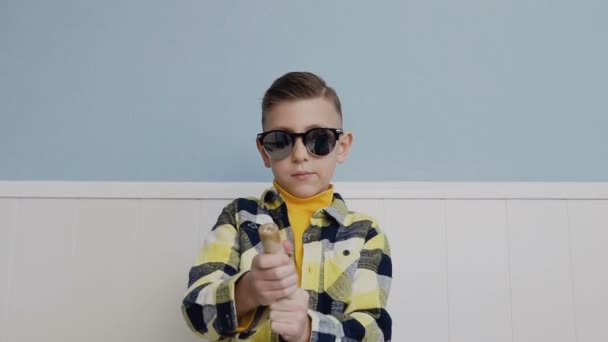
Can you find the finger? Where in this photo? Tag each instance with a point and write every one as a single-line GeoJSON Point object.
{"type": "Point", "coordinates": [287, 248]}
{"type": "Point", "coordinates": [277, 273]}
{"type": "Point", "coordinates": [280, 316]}
{"type": "Point", "coordinates": [285, 305]}
{"type": "Point", "coordinates": [268, 298]}
{"type": "Point", "coordinates": [280, 283]}
{"type": "Point", "coordinates": [282, 328]}
{"type": "Point", "coordinates": [268, 261]}
{"type": "Point", "coordinates": [281, 309]}
{"type": "Point", "coordinates": [302, 296]}
{"type": "Point", "coordinates": [288, 305]}
{"type": "Point", "coordinates": [275, 295]}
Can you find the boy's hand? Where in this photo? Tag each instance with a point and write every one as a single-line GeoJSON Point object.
{"type": "Point", "coordinates": [272, 277]}
{"type": "Point", "coordinates": [289, 317]}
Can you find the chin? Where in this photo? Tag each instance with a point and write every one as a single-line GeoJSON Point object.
{"type": "Point", "coordinates": [305, 191]}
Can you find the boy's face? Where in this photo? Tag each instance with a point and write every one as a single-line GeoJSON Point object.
{"type": "Point", "coordinates": [301, 173]}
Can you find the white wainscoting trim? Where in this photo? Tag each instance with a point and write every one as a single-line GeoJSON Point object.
{"type": "Point", "coordinates": [352, 190]}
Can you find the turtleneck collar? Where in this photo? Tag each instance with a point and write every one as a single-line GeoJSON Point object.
{"type": "Point", "coordinates": [318, 201]}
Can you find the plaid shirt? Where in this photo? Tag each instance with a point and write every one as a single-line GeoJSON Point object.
{"type": "Point", "coordinates": [346, 270]}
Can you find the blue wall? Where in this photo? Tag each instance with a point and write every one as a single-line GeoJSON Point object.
{"type": "Point", "coordinates": [471, 90]}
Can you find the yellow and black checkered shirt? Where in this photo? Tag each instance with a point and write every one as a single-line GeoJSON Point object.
{"type": "Point", "coordinates": [346, 270]}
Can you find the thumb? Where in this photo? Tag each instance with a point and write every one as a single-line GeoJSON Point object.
{"type": "Point", "coordinates": [287, 248]}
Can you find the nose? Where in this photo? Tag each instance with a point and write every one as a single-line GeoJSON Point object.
{"type": "Point", "coordinates": [299, 152]}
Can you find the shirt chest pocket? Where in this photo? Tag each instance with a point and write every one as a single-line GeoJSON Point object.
{"type": "Point", "coordinates": [339, 267]}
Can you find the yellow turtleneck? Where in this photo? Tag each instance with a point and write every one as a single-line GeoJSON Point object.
{"type": "Point", "coordinates": [300, 211]}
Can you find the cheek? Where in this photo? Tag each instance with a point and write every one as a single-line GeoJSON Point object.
{"type": "Point", "coordinates": [327, 165]}
{"type": "Point", "coordinates": [279, 167]}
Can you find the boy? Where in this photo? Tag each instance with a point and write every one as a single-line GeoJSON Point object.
{"type": "Point", "coordinates": [337, 284]}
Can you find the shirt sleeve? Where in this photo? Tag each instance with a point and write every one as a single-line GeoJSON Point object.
{"type": "Point", "coordinates": [209, 305]}
{"type": "Point", "coordinates": [365, 317]}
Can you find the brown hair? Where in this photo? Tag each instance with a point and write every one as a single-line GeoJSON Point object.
{"type": "Point", "coordinates": [299, 85]}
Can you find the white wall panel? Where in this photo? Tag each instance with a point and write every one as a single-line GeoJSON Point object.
{"type": "Point", "coordinates": [42, 286]}
{"type": "Point", "coordinates": [541, 286]}
{"type": "Point", "coordinates": [589, 236]}
{"type": "Point", "coordinates": [106, 286]}
{"type": "Point", "coordinates": [166, 246]}
{"type": "Point", "coordinates": [418, 300]}
{"type": "Point", "coordinates": [478, 282]}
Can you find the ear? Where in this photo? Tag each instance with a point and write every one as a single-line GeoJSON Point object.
{"type": "Point", "coordinates": [343, 146]}
{"type": "Point", "coordinates": [265, 156]}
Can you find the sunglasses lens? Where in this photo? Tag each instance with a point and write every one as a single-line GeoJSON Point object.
{"type": "Point", "coordinates": [320, 141]}
{"type": "Point", "coordinates": [277, 144]}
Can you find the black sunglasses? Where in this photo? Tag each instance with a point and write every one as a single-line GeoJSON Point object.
{"type": "Point", "coordinates": [318, 141]}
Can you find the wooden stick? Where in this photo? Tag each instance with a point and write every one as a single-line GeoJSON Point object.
{"type": "Point", "coordinates": [270, 237]}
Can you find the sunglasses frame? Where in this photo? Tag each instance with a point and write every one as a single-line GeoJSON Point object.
{"type": "Point", "coordinates": [293, 136]}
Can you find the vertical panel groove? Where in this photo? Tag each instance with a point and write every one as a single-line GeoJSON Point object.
{"type": "Point", "coordinates": [509, 267]}
{"type": "Point", "coordinates": [11, 265]}
{"type": "Point", "coordinates": [199, 228]}
{"type": "Point", "coordinates": [200, 233]}
{"type": "Point", "coordinates": [137, 237]}
{"type": "Point", "coordinates": [12, 217]}
{"type": "Point", "coordinates": [75, 219]}
{"type": "Point", "coordinates": [572, 281]}
{"type": "Point", "coordinates": [447, 264]}
{"type": "Point", "coordinates": [383, 218]}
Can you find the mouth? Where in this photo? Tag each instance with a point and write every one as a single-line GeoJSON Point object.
{"type": "Point", "coordinates": [302, 174]}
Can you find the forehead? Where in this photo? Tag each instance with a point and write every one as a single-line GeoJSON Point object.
{"type": "Point", "coordinates": [300, 115]}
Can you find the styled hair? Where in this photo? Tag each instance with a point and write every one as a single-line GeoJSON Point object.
{"type": "Point", "coordinates": [298, 85]}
